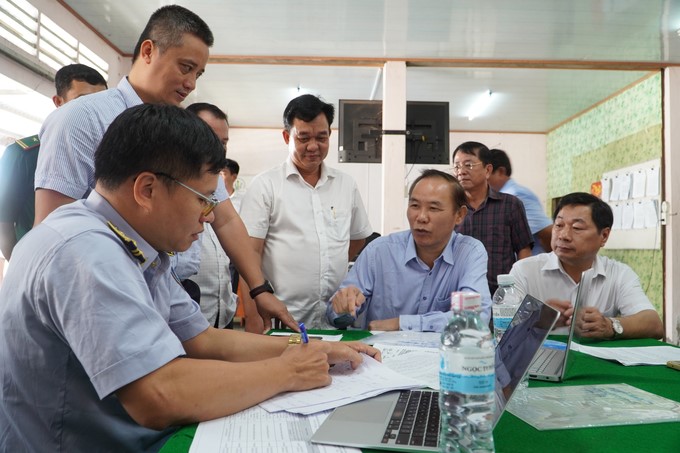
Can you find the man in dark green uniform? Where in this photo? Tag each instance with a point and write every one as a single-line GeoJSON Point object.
{"type": "Point", "coordinates": [17, 166]}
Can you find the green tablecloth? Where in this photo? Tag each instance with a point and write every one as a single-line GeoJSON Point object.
{"type": "Point", "coordinates": [513, 435]}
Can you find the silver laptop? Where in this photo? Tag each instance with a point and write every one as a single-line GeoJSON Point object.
{"type": "Point", "coordinates": [409, 420]}
{"type": "Point", "coordinates": [553, 360]}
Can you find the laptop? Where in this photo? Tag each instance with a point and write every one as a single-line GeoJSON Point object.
{"type": "Point", "coordinates": [408, 420]}
{"type": "Point", "coordinates": [551, 363]}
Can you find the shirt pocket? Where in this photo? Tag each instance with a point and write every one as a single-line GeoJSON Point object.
{"type": "Point", "coordinates": [442, 303]}
{"type": "Point", "coordinates": [339, 223]}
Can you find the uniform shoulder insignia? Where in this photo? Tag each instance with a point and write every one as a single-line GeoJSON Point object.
{"type": "Point", "coordinates": [129, 243]}
{"type": "Point", "coordinates": [28, 143]}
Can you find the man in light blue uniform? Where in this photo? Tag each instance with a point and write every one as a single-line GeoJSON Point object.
{"type": "Point", "coordinates": [404, 281]}
{"type": "Point", "coordinates": [539, 223]}
{"type": "Point", "coordinates": [169, 57]}
{"type": "Point", "coordinates": [101, 348]}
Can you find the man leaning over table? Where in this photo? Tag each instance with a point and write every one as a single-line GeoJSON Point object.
{"type": "Point", "coordinates": [169, 57]}
{"type": "Point", "coordinates": [616, 306]}
{"type": "Point", "coordinates": [101, 347]}
{"type": "Point", "coordinates": [404, 281]}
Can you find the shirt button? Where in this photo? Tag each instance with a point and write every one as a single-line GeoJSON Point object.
{"type": "Point", "coordinates": [424, 297]}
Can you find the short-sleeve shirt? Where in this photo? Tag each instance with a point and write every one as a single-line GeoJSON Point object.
{"type": "Point", "coordinates": [17, 168]}
{"type": "Point", "coordinates": [501, 224]}
{"type": "Point", "coordinates": [71, 134]}
{"type": "Point", "coordinates": [84, 315]}
{"type": "Point", "coordinates": [615, 290]}
{"type": "Point", "coordinates": [306, 232]}
{"type": "Point", "coordinates": [536, 216]}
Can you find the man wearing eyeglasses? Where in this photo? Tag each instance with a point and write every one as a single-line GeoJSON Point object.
{"type": "Point", "coordinates": [101, 348]}
{"type": "Point", "coordinates": [169, 57]}
{"type": "Point", "coordinates": [498, 220]}
{"type": "Point", "coordinates": [305, 218]}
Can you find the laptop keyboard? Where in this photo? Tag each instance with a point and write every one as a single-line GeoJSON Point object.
{"type": "Point", "coordinates": [415, 419]}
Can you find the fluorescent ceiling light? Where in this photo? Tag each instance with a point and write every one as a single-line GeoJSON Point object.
{"type": "Point", "coordinates": [480, 105]}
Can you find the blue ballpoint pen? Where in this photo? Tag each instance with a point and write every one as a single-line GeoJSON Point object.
{"type": "Point", "coordinates": [303, 333]}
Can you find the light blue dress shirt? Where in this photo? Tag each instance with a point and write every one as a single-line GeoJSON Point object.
{"type": "Point", "coordinates": [69, 138]}
{"type": "Point", "coordinates": [82, 317]}
{"type": "Point", "coordinates": [396, 283]}
{"type": "Point", "coordinates": [535, 213]}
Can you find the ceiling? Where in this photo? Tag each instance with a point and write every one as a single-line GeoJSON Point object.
{"type": "Point", "coordinates": [545, 60]}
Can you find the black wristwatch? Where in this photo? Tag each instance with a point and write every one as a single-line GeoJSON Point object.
{"type": "Point", "coordinates": [265, 287]}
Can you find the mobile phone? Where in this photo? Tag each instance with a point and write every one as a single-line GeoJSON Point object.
{"type": "Point", "coordinates": [675, 364]}
{"type": "Point", "coordinates": [344, 321]}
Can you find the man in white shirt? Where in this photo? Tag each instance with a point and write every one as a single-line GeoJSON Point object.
{"type": "Point", "coordinates": [304, 218]}
{"type": "Point", "coordinates": [209, 262]}
{"type": "Point", "coordinates": [617, 306]}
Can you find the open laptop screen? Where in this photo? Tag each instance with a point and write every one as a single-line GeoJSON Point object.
{"type": "Point", "coordinates": [528, 329]}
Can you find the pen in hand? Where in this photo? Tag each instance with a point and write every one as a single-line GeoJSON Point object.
{"type": "Point", "coordinates": [303, 333]}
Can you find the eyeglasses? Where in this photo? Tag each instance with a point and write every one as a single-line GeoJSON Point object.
{"type": "Point", "coordinates": [468, 165]}
{"type": "Point", "coordinates": [208, 203]}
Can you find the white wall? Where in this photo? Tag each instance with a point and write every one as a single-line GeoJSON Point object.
{"type": "Point", "coordinates": [257, 150]}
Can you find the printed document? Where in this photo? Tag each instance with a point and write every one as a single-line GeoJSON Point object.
{"type": "Point", "coordinates": [255, 430]}
{"type": "Point", "coordinates": [372, 378]}
{"type": "Point", "coordinates": [421, 364]}
{"type": "Point", "coordinates": [643, 355]}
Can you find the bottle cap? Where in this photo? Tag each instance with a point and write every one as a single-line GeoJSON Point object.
{"type": "Point", "coordinates": [505, 280]}
{"type": "Point", "coordinates": [465, 301]}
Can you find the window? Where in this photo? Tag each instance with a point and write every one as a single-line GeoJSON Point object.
{"type": "Point", "coordinates": [36, 35]}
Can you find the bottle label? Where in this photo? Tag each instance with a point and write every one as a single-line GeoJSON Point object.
{"type": "Point", "coordinates": [502, 315]}
{"type": "Point", "coordinates": [501, 323]}
{"type": "Point", "coordinates": [470, 374]}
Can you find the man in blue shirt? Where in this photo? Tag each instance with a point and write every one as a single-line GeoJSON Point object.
{"type": "Point", "coordinates": [405, 280]}
{"type": "Point", "coordinates": [101, 348]}
{"type": "Point", "coordinates": [500, 181]}
{"type": "Point", "coordinates": [170, 56]}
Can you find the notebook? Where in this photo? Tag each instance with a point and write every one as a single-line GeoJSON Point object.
{"type": "Point", "coordinates": [551, 364]}
{"type": "Point", "coordinates": [408, 420]}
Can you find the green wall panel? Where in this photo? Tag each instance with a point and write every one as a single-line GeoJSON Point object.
{"type": "Point", "coordinates": [622, 131]}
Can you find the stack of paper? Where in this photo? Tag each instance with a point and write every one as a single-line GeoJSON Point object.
{"type": "Point", "coordinates": [370, 379]}
{"type": "Point", "coordinates": [421, 364]}
{"type": "Point", "coordinates": [642, 355]}
{"type": "Point", "coordinates": [255, 430]}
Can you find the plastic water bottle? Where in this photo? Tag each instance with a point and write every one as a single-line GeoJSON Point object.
{"type": "Point", "coordinates": [505, 303]}
{"type": "Point", "coordinates": [466, 379]}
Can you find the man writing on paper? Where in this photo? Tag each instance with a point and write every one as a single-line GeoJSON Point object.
{"type": "Point", "coordinates": [101, 347]}
{"type": "Point", "coordinates": [404, 281]}
{"type": "Point", "coordinates": [616, 307]}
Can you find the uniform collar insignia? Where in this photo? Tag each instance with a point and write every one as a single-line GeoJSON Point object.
{"type": "Point", "coordinates": [129, 243]}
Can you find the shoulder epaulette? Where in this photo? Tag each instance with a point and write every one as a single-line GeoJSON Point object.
{"type": "Point", "coordinates": [28, 143]}
{"type": "Point", "coordinates": [129, 243]}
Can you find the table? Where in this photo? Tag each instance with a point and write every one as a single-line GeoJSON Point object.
{"type": "Point", "coordinates": [513, 435]}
